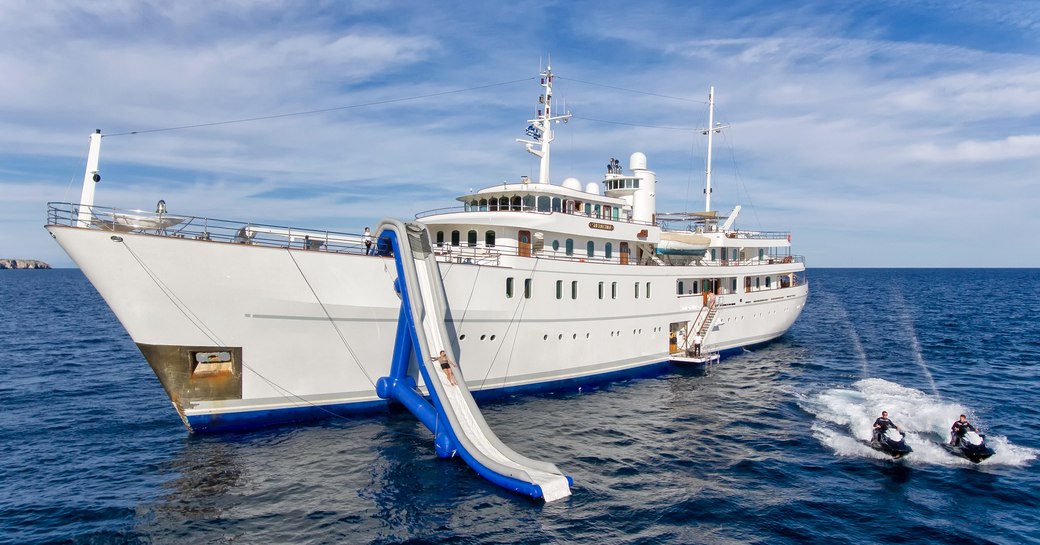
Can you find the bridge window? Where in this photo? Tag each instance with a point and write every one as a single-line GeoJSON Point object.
{"type": "Point", "coordinates": [509, 287]}
{"type": "Point", "coordinates": [483, 205]}
{"type": "Point", "coordinates": [559, 289]}
{"type": "Point", "coordinates": [607, 250]}
{"type": "Point", "coordinates": [493, 204]}
{"type": "Point", "coordinates": [544, 203]}
{"type": "Point", "coordinates": [590, 249]}
{"type": "Point", "coordinates": [556, 204]}
{"type": "Point", "coordinates": [489, 239]}
{"type": "Point", "coordinates": [529, 202]}
{"type": "Point", "coordinates": [527, 288]}
{"type": "Point", "coordinates": [570, 246]}
{"type": "Point", "coordinates": [455, 238]}
{"type": "Point", "coordinates": [471, 238]}
{"type": "Point", "coordinates": [517, 203]}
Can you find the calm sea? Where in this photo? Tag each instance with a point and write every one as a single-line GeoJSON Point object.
{"type": "Point", "coordinates": [763, 448]}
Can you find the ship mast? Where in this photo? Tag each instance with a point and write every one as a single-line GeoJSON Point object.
{"type": "Point", "coordinates": [711, 130]}
{"type": "Point", "coordinates": [540, 128]}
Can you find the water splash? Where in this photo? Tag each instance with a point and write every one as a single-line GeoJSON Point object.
{"type": "Point", "coordinates": [842, 315]}
{"type": "Point", "coordinates": [845, 416]}
{"type": "Point", "coordinates": [915, 345]}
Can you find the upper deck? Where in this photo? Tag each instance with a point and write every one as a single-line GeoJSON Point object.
{"type": "Point", "coordinates": [469, 250]}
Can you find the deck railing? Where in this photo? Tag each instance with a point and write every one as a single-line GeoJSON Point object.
{"type": "Point", "coordinates": [236, 232]}
{"type": "Point", "coordinates": [200, 228]}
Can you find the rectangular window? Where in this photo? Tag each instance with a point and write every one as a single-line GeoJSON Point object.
{"type": "Point", "coordinates": [637, 290]}
{"type": "Point", "coordinates": [601, 290]}
{"type": "Point", "coordinates": [527, 288]}
{"type": "Point", "coordinates": [648, 290]}
{"type": "Point", "coordinates": [574, 289]}
{"type": "Point", "coordinates": [559, 289]}
{"type": "Point", "coordinates": [509, 287]}
{"type": "Point", "coordinates": [679, 288]}
{"type": "Point", "coordinates": [613, 290]}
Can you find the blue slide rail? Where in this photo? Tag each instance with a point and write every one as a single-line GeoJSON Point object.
{"type": "Point", "coordinates": [437, 413]}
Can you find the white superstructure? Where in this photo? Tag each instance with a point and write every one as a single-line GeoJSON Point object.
{"type": "Point", "coordinates": [547, 284]}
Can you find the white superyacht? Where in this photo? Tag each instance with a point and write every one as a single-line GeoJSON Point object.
{"type": "Point", "coordinates": [546, 286]}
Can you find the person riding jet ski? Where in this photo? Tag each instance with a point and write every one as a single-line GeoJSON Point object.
{"type": "Point", "coordinates": [882, 424]}
{"type": "Point", "coordinates": [965, 441]}
{"type": "Point", "coordinates": [959, 428]}
{"type": "Point", "coordinates": [889, 442]}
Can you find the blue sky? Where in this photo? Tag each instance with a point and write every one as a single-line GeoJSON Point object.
{"type": "Point", "coordinates": [881, 134]}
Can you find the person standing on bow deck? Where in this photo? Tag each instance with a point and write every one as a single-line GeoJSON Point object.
{"type": "Point", "coordinates": [367, 238]}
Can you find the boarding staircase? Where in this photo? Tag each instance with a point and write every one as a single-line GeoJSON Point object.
{"type": "Point", "coordinates": [709, 312]}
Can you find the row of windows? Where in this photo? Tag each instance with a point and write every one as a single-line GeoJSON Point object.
{"type": "Point", "coordinates": [568, 245]}
{"type": "Point", "coordinates": [690, 286]}
{"type": "Point", "coordinates": [471, 238]}
{"type": "Point", "coordinates": [544, 203]}
{"type": "Point", "coordinates": [601, 289]}
{"type": "Point", "coordinates": [623, 183]}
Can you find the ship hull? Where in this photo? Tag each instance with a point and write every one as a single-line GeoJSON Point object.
{"type": "Point", "coordinates": [244, 335]}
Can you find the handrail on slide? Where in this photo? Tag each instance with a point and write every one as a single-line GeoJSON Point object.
{"type": "Point", "coordinates": [453, 416]}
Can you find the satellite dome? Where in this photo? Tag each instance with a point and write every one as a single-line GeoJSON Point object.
{"type": "Point", "coordinates": [572, 183]}
{"type": "Point", "coordinates": [592, 187]}
{"type": "Point", "coordinates": [637, 161]}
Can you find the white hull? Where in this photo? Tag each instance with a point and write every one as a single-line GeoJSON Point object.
{"type": "Point", "coordinates": [317, 328]}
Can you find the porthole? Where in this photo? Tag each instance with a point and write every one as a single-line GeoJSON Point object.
{"type": "Point", "coordinates": [462, 337]}
{"type": "Point", "coordinates": [482, 337]}
{"type": "Point", "coordinates": [574, 337]}
{"type": "Point", "coordinates": [560, 338]}
{"type": "Point", "coordinates": [545, 337]}
{"type": "Point", "coordinates": [492, 337]}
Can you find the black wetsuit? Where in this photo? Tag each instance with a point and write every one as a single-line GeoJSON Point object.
{"type": "Point", "coordinates": [881, 425]}
{"type": "Point", "coordinates": [958, 430]}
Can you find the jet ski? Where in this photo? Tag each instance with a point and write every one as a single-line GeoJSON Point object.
{"type": "Point", "coordinates": [891, 442]}
{"type": "Point", "coordinates": [971, 445]}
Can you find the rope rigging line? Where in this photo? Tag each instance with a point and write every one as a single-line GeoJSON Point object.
{"type": "Point", "coordinates": [357, 361]}
{"type": "Point", "coordinates": [323, 110]}
{"type": "Point", "coordinates": [212, 336]}
{"type": "Point", "coordinates": [630, 90]}
{"type": "Point", "coordinates": [689, 129]}
{"type": "Point", "coordinates": [520, 306]}
{"type": "Point", "coordinates": [181, 306]}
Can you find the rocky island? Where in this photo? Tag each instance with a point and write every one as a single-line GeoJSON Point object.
{"type": "Point", "coordinates": [23, 264]}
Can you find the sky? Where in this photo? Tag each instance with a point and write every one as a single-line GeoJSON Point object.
{"type": "Point", "coordinates": [880, 134]}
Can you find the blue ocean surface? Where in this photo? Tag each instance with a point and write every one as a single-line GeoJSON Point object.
{"type": "Point", "coordinates": [762, 448]}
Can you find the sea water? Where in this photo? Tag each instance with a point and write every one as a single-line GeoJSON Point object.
{"type": "Point", "coordinates": [765, 447]}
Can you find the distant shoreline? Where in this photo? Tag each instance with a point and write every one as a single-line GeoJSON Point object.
{"type": "Point", "coordinates": [23, 264]}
